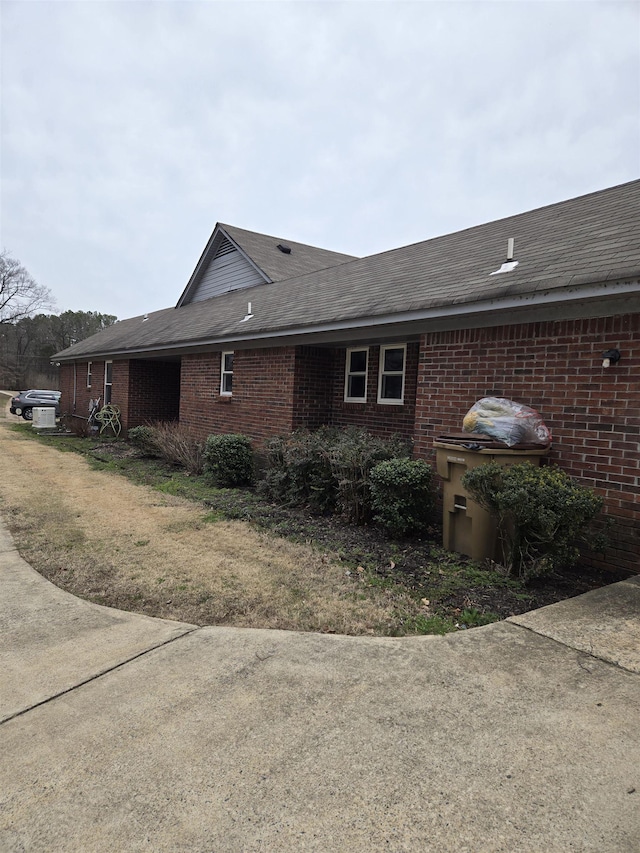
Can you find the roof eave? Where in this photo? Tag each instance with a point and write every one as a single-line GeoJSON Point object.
{"type": "Point", "coordinates": [496, 311]}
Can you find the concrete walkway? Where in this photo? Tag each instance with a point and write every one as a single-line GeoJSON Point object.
{"type": "Point", "coordinates": [126, 733]}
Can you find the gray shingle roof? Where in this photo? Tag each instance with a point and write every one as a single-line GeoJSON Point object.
{"type": "Point", "coordinates": [263, 251]}
{"type": "Point", "coordinates": [591, 239]}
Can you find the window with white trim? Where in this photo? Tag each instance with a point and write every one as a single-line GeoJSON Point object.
{"type": "Point", "coordinates": [89, 365]}
{"type": "Point", "coordinates": [226, 374]}
{"type": "Point", "coordinates": [391, 376]}
{"type": "Point", "coordinates": [108, 382]}
{"type": "Point", "coordinates": [355, 375]}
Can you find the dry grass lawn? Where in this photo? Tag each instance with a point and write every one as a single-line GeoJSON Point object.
{"type": "Point", "coordinates": [103, 538]}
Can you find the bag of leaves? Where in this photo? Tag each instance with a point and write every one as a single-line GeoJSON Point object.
{"type": "Point", "coordinates": [507, 421]}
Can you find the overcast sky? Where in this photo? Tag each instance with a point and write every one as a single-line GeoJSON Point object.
{"type": "Point", "coordinates": [130, 128]}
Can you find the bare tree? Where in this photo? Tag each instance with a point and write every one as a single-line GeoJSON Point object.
{"type": "Point", "coordinates": [20, 293]}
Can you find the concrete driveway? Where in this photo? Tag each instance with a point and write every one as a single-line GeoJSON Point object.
{"type": "Point", "coordinates": [125, 733]}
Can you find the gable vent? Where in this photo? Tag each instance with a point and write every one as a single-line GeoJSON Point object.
{"type": "Point", "coordinates": [225, 248]}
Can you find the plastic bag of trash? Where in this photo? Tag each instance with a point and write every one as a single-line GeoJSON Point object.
{"type": "Point", "coordinates": [504, 420]}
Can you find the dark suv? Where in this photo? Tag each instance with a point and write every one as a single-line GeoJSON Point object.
{"type": "Point", "coordinates": [26, 400]}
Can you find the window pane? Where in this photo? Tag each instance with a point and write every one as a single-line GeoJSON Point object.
{"type": "Point", "coordinates": [228, 361]}
{"type": "Point", "coordinates": [358, 361]}
{"type": "Point", "coordinates": [393, 360]}
{"type": "Point", "coordinates": [109, 369]}
{"type": "Point", "coordinates": [356, 387]}
{"type": "Point", "coordinates": [227, 382]}
{"type": "Point", "coordinates": [391, 387]}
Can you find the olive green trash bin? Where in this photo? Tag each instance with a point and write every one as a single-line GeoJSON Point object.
{"type": "Point", "coordinates": [466, 527]}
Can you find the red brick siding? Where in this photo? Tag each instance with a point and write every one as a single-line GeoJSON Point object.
{"type": "Point", "coordinates": [154, 392]}
{"type": "Point", "coordinates": [144, 391]}
{"type": "Point", "coordinates": [378, 419]}
{"type": "Point", "coordinates": [556, 367]}
{"type": "Point", "coordinates": [262, 402]}
{"type": "Point", "coordinates": [83, 394]}
{"type": "Point", "coordinates": [313, 387]}
{"type": "Point", "coordinates": [65, 384]}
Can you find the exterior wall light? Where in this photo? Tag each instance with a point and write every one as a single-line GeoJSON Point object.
{"type": "Point", "coordinates": [610, 356]}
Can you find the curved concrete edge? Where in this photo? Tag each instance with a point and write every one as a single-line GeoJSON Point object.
{"type": "Point", "coordinates": [54, 641]}
{"type": "Point", "coordinates": [604, 623]}
{"type": "Point", "coordinates": [161, 736]}
{"type": "Point", "coordinates": [495, 740]}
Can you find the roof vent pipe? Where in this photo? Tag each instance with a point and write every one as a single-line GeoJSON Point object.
{"type": "Point", "coordinates": [248, 315]}
{"type": "Point", "coordinates": [509, 264]}
{"type": "Point", "coordinates": [510, 244]}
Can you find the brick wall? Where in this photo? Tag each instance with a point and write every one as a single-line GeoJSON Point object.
{"type": "Point", "coordinates": [83, 393]}
{"type": "Point", "coordinates": [313, 387]}
{"type": "Point", "coordinates": [262, 403]}
{"type": "Point", "coordinates": [385, 420]}
{"type": "Point", "coordinates": [280, 389]}
{"type": "Point", "coordinates": [144, 391]}
{"type": "Point", "coordinates": [555, 367]}
{"type": "Point", "coordinates": [153, 392]}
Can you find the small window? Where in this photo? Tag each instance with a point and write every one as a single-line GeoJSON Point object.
{"type": "Point", "coordinates": [226, 374]}
{"type": "Point", "coordinates": [89, 365]}
{"type": "Point", "coordinates": [108, 381]}
{"type": "Point", "coordinates": [355, 379]}
{"type": "Point", "coordinates": [391, 379]}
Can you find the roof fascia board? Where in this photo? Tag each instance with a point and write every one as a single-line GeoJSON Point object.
{"type": "Point", "coordinates": [604, 300]}
{"type": "Point", "coordinates": [214, 241]}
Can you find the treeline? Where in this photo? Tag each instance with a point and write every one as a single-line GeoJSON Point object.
{"type": "Point", "coordinates": [29, 339]}
{"type": "Point", "coordinates": [27, 344]}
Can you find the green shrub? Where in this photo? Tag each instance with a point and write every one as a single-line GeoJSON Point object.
{"type": "Point", "coordinates": [228, 460]}
{"type": "Point", "coordinates": [327, 469]}
{"type": "Point", "coordinates": [351, 459]}
{"type": "Point", "coordinates": [297, 470]}
{"type": "Point", "coordinates": [542, 514]}
{"type": "Point", "coordinates": [402, 495]}
{"type": "Point", "coordinates": [142, 438]}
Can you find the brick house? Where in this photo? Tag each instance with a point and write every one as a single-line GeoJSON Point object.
{"type": "Point", "coordinates": [271, 335]}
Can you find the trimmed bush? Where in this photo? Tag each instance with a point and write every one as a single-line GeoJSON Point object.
{"type": "Point", "coordinates": [142, 438]}
{"type": "Point", "coordinates": [327, 469]}
{"type": "Point", "coordinates": [228, 460]}
{"type": "Point", "coordinates": [542, 514]}
{"type": "Point", "coordinates": [402, 496]}
{"type": "Point", "coordinates": [351, 459]}
{"type": "Point", "coordinates": [297, 470]}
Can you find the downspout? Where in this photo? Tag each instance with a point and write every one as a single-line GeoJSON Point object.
{"type": "Point", "coordinates": [75, 385]}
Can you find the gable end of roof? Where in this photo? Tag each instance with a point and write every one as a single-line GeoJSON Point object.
{"type": "Point", "coordinates": [210, 279]}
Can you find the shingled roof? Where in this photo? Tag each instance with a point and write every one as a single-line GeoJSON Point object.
{"type": "Point", "coordinates": [274, 258]}
{"type": "Point", "coordinates": [571, 252]}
